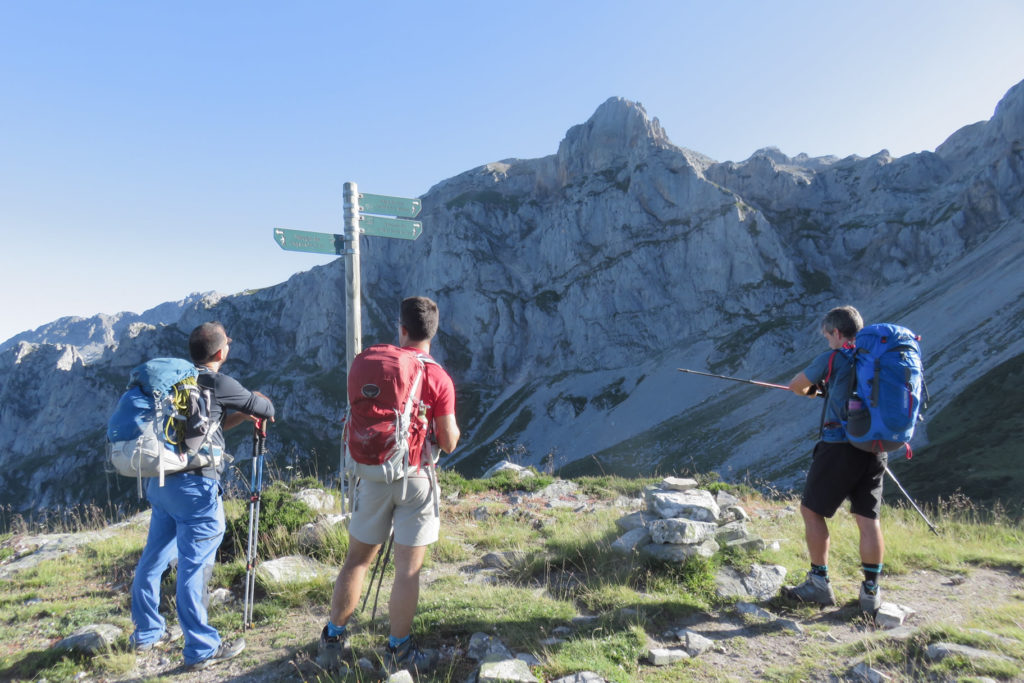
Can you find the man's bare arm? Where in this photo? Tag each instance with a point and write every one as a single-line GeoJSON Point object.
{"type": "Point", "coordinates": [447, 432]}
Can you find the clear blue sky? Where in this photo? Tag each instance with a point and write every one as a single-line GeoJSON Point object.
{"type": "Point", "coordinates": [148, 149]}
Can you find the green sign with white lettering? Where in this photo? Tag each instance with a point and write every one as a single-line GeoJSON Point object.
{"type": "Point", "coordinates": [312, 242]}
{"type": "Point", "coordinates": [389, 206]}
{"type": "Point", "coordinates": [390, 227]}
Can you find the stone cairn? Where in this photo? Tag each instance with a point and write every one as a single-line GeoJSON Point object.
{"type": "Point", "coordinates": [682, 521]}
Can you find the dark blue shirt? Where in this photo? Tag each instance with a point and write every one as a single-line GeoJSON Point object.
{"type": "Point", "coordinates": [833, 367]}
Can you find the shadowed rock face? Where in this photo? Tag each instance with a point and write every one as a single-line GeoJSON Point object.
{"type": "Point", "coordinates": [571, 287]}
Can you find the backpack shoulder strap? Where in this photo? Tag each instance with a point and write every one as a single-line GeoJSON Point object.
{"type": "Point", "coordinates": [827, 383]}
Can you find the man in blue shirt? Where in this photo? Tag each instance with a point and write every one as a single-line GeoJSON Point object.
{"type": "Point", "coordinates": [839, 470]}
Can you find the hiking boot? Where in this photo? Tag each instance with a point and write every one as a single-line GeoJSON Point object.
{"type": "Point", "coordinates": [171, 634]}
{"type": "Point", "coordinates": [815, 589]}
{"type": "Point", "coordinates": [870, 598]}
{"type": "Point", "coordinates": [409, 657]}
{"type": "Point", "coordinates": [227, 650]}
{"type": "Point", "coordinates": [333, 650]}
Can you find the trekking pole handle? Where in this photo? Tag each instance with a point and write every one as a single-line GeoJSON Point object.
{"type": "Point", "coordinates": [260, 427]}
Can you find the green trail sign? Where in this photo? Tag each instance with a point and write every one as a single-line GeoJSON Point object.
{"type": "Point", "coordinates": [312, 242]}
{"type": "Point", "coordinates": [389, 206]}
{"type": "Point", "coordinates": [390, 227]}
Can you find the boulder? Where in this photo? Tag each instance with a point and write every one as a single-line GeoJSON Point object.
{"type": "Point", "coordinates": [678, 484]}
{"type": "Point", "coordinates": [760, 582]}
{"type": "Point", "coordinates": [635, 520]}
{"type": "Point", "coordinates": [663, 656]}
{"type": "Point", "coordinates": [680, 531]}
{"type": "Point", "coordinates": [318, 500]}
{"type": "Point", "coordinates": [694, 642]}
{"type": "Point", "coordinates": [90, 640]}
{"type": "Point", "coordinates": [695, 504]}
{"type": "Point", "coordinates": [671, 552]}
{"type": "Point", "coordinates": [506, 466]}
{"type": "Point", "coordinates": [292, 569]}
{"type": "Point", "coordinates": [497, 669]}
{"type": "Point", "coordinates": [628, 543]}
{"type": "Point", "coordinates": [939, 651]}
{"type": "Point", "coordinates": [482, 645]}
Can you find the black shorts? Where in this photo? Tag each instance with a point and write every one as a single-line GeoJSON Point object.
{"type": "Point", "coordinates": [840, 471]}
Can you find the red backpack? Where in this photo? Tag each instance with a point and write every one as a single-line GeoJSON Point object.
{"type": "Point", "coordinates": [387, 422]}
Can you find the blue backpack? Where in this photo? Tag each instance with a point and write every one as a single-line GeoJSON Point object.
{"type": "Point", "coordinates": [162, 423]}
{"type": "Point", "coordinates": [886, 385]}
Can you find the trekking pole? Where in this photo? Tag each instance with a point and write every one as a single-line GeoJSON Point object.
{"type": "Point", "coordinates": [382, 563]}
{"type": "Point", "coordinates": [736, 379]}
{"type": "Point", "coordinates": [907, 495]}
{"type": "Point", "coordinates": [259, 449]}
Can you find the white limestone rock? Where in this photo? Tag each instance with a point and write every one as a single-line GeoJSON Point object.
{"type": "Point", "coordinates": [696, 504]}
{"type": "Point", "coordinates": [681, 531]}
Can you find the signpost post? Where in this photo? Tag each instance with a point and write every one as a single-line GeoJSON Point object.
{"type": "Point", "coordinates": [356, 210]}
{"type": "Point", "coordinates": [353, 293]}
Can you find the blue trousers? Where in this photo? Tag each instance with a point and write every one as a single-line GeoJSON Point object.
{"type": "Point", "coordinates": [187, 522]}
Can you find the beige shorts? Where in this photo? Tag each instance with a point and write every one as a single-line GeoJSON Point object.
{"type": "Point", "coordinates": [378, 505]}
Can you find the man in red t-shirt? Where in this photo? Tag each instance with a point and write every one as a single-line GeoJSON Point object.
{"type": "Point", "coordinates": [380, 506]}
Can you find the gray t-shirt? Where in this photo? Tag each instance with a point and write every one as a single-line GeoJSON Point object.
{"type": "Point", "coordinates": [833, 367]}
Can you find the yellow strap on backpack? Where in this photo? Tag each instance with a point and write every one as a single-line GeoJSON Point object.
{"type": "Point", "coordinates": [174, 428]}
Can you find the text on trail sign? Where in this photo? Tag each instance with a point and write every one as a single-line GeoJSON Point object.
{"type": "Point", "coordinates": [390, 227]}
{"type": "Point", "coordinates": [389, 206]}
{"type": "Point", "coordinates": [311, 242]}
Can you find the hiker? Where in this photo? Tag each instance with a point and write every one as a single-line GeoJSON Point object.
{"type": "Point", "coordinates": [188, 518]}
{"type": "Point", "coordinates": [839, 470]}
{"type": "Point", "coordinates": [380, 507]}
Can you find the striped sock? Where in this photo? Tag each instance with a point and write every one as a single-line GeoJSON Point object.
{"type": "Point", "coordinates": [871, 573]}
{"type": "Point", "coordinates": [819, 569]}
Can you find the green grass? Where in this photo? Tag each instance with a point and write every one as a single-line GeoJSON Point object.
{"type": "Point", "coordinates": [505, 482]}
{"type": "Point", "coordinates": [613, 654]}
{"type": "Point", "coordinates": [562, 567]}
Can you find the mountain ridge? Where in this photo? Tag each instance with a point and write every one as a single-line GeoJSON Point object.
{"type": "Point", "coordinates": [572, 286]}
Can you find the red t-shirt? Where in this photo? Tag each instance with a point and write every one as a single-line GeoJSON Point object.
{"type": "Point", "coordinates": [438, 393]}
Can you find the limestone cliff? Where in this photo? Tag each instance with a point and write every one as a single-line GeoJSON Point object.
{"type": "Point", "coordinates": [572, 287]}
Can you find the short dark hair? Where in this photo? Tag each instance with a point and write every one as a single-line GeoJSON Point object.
{"type": "Point", "coordinates": [206, 340]}
{"type": "Point", "coordinates": [846, 319]}
{"type": "Point", "coordinates": [419, 318]}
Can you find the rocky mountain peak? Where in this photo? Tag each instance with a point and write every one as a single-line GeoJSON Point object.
{"type": "Point", "coordinates": [1003, 132]}
{"type": "Point", "coordinates": [573, 286]}
{"type": "Point", "coordinates": [619, 131]}
{"type": "Point", "coordinates": [1009, 114]}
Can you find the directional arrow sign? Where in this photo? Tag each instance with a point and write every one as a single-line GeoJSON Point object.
{"type": "Point", "coordinates": [312, 242]}
{"type": "Point", "coordinates": [390, 227]}
{"type": "Point", "coordinates": [389, 206]}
